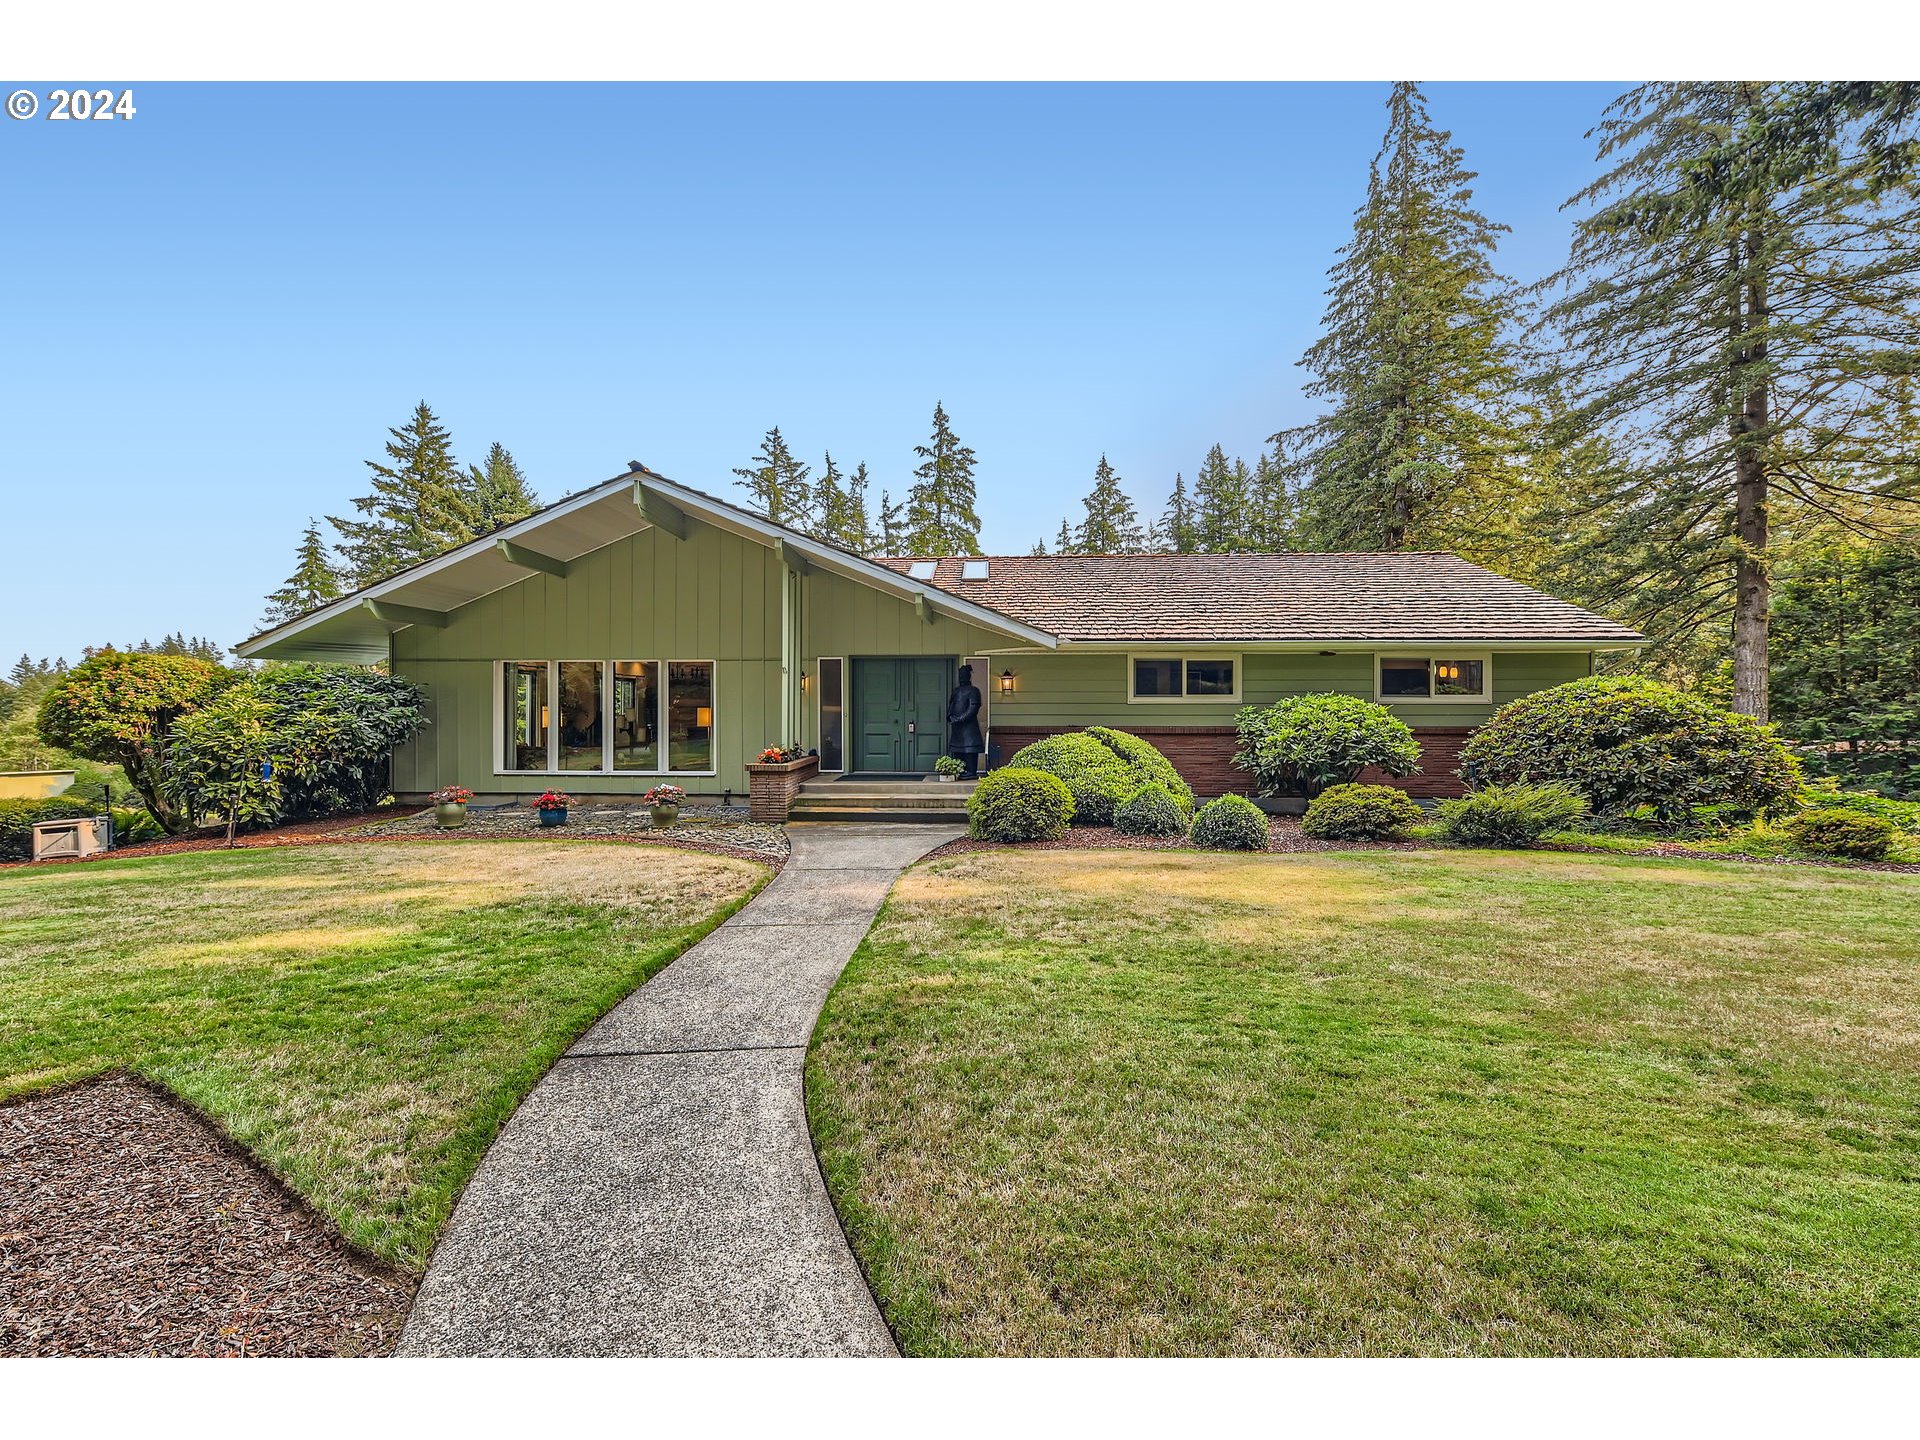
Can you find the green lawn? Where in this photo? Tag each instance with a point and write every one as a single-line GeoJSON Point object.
{"type": "Point", "coordinates": [1110, 1102]}
{"type": "Point", "coordinates": [362, 1017]}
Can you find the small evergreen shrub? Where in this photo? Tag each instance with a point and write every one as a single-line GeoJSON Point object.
{"type": "Point", "coordinates": [1903, 815]}
{"type": "Point", "coordinates": [1628, 742]}
{"type": "Point", "coordinates": [1854, 834]}
{"type": "Point", "coordinates": [1101, 768]}
{"type": "Point", "coordinates": [1151, 810]}
{"type": "Point", "coordinates": [1510, 817]}
{"type": "Point", "coordinates": [1231, 822]}
{"type": "Point", "coordinates": [1306, 744]}
{"type": "Point", "coordinates": [18, 817]}
{"type": "Point", "coordinates": [1018, 804]}
{"type": "Point", "coordinates": [1360, 812]}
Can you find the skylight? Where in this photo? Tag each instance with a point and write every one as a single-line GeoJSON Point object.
{"type": "Point", "coordinates": [923, 569]}
{"type": "Point", "coordinates": [973, 570]}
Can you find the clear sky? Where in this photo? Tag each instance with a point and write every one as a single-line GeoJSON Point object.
{"type": "Point", "coordinates": [213, 312]}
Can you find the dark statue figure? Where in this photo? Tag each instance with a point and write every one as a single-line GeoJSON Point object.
{"type": "Point", "coordinates": [964, 740]}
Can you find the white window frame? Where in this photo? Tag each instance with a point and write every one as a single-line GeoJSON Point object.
{"type": "Point", "coordinates": [1183, 656]}
{"type": "Point", "coordinates": [1414, 652]}
{"type": "Point", "coordinates": [819, 704]}
{"type": "Point", "coordinates": [606, 770]}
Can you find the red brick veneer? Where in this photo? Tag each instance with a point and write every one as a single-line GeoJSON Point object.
{"type": "Point", "coordinates": [1203, 754]}
{"type": "Point", "coordinates": [771, 788]}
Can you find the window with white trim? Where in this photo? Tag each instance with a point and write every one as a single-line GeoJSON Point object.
{"type": "Point", "coordinates": [1168, 679]}
{"type": "Point", "coordinates": [1402, 679]}
{"type": "Point", "coordinates": [606, 717]}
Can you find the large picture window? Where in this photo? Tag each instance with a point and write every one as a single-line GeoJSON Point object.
{"type": "Point", "coordinates": [607, 717]}
{"type": "Point", "coordinates": [1153, 679]}
{"type": "Point", "coordinates": [1413, 678]}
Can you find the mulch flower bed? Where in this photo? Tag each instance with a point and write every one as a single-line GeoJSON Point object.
{"type": "Point", "coordinates": [1284, 837]}
{"type": "Point", "coordinates": [130, 1226]}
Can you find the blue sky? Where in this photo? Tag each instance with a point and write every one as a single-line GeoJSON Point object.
{"type": "Point", "coordinates": [213, 311]}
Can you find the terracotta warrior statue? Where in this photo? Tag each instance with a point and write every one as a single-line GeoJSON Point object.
{"type": "Point", "coordinates": [964, 741]}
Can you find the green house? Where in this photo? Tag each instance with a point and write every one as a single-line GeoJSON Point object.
{"type": "Point", "coordinates": [643, 631]}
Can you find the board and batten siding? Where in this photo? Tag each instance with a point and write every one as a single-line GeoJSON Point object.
{"type": "Point", "coordinates": [713, 596]}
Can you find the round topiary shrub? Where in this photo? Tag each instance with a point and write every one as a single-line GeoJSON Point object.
{"type": "Point", "coordinates": [1627, 742]}
{"type": "Point", "coordinates": [1018, 804]}
{"type": "Point", "coordinates": [1360, 812]}
{"type": "Point", "coordinates": [1151, 810]}
{"type": "Point", "coordinates": [1854, 834]}
{"type": "Point", "coordinates": [1510, 817]}
{"type": "Point", "coordinates": [1231, 822]}
{"type": "Point", "coordinates": [1305, 744]}
{"type": "Point", "coordinates": [1101, 768]}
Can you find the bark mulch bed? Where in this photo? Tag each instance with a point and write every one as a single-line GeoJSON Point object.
{"type": "Point", "coordinates": [304, 832]}
{"type": "Point", "coordinates": [1284, 837]}
{"type": "Point", "coordinates": [130, 1226]}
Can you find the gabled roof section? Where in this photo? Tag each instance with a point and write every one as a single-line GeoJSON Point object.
{"type": "Point", "coordinates": [1390, 598]}
{"type": "Point", "coordinates": [355, 628]}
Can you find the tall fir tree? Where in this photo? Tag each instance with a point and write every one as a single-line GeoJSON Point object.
{"type": "Point", "coordinates": [1269, 516]}
{"type": "Point", "coordinates": [1064, 543]}
{"type": "Point", "coordinates": [420, 504]}
{"type": "Point", "coordinates": [1739, 313]}
{"type": "Point", "coordinates": [779, 484]}
{"type": "Point", "coordinates": [501, 494]}
{"type": "Point", "coordinates": [891, 525]}
{"type": "Point", "coordinates": [1221, 493]}
{"type": "Point", "coordinates": [1039, 548]}
{"type": "Point", "coordinates": [1111, 525]}
{"type": "Point", "coordinates": [941, 514]}
{"type": "Point", "coordinates": [859, 523]}
{"type": "Point", "coordinates": [840, 508]}
{"type": "Point", "coordinates": [314, 581]}
{"type": "Point", "coordinates": [1175, 530]}
{"type": "Point", "coordinates": [1415, 362]}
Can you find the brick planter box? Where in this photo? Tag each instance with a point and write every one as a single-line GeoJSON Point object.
{"type": "Point", "coordinates": [771, 788]}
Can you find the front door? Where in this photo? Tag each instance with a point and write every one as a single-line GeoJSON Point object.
{"type": "Point", "coordinates": [900, 713]}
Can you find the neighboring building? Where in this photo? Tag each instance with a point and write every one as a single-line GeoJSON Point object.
{"type": "Point", "coordinates": [642, 630]}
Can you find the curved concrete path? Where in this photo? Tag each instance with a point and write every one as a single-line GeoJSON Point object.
{"type": "Point", "coordinates": [657, 1193]}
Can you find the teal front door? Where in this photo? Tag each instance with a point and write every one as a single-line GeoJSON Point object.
{"type": "Point", "coordinates": [900, 713]}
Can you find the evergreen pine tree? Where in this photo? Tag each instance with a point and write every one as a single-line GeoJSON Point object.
{"type": "Point", "coordinates": [499, 490]}
{"type": "Point", "coordinates": [313, 583]}
{"type": "Point", "coordinates": [829, 504]}
{"type": "Point", "coordinates": [1739, 312]}
{"type": "Point", "coordinates": [941, 519]}
{"type": "Point", "coordinates": [1111, 526]}
{"type": "Point", "coordinates": [1039, 548]}
{"type": "Point", "coordinates": [778, 483]}
{"type": "Point", "coordinates": [1220, 501]}
{"type": "Point", "coordinates": [859, 525]}
{"type": "Point", "coordinates": [1175, 530]}
{"type": "Point", "coordinates": [1414, 361]}
{"type": "Point", "coordinates": [1270, 519]}
{"type": "Point", "coordinates": [893, 525]}
{"type": "Point", "coordinates": [1064, 543]}
{"type": "Point", "coordinates": [420, 505]}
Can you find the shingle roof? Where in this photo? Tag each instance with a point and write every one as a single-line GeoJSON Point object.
{"type": "Point", "coordinates": [1328, 597]}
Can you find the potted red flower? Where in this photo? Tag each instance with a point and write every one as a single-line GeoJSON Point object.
{"type": "Point", "coordinates": [552, 806]}
{"type": "Point", "coordinates": [663, 804]}
{"type": "Point", "coordinates": [450, 806]}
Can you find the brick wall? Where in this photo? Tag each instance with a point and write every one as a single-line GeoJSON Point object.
{"type": "Point", "coordinates": [771, 788]}
{"type": "Point", "coordinates": [1203, 754]}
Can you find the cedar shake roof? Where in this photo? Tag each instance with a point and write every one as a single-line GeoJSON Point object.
{"type": "Point", "coordinates": [1157, 599]}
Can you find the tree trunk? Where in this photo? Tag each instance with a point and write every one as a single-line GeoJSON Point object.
{"type": "Point", "coordinates": [1753, 587]}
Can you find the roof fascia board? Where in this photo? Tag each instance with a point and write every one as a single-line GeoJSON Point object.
{"type": "Point", "coordinates": [1345, 646]}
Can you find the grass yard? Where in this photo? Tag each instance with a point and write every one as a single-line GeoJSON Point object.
{"type": "Point", "coordinates": [1113, 1102]}
{"type": "Point", "coordinates": [362, 1017]}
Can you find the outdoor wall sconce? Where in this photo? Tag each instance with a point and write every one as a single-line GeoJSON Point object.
{"type": "Point", "coordinates": [803, 681]}
{"type": "Point", "coordinates": [1006, 682]}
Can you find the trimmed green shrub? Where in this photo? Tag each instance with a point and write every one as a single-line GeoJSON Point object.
{"type": "Point", "coordinates": [1231, 822]}
{"type": "Point", "coordinates": [1151, 810]}
{"type": "Point", "coordinates": [1101, 768]}
{"type": "Point", "coordinates": [1903, 815]}
{"type": "Point", "coordinates": [18, 817]}
{"type": "Point", "coordinates": [1510, 817]}
{"type": "Point", "coordinates": [1628, 742]}
{"type": "Point", "coordinates": [1854, 834]}
{"type": "Point", "coordinates": [1303, 745]}
{"type": "Point", "coordinates": [1360, 812]}
{"type": "Point", "coordinates": [1018, 804]}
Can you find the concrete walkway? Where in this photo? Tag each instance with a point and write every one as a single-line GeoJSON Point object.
{"type": "Point", "coordinates": [657, 1193]}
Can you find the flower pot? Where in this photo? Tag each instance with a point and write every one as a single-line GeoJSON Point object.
{"type": "Point", "coordinates": [550, 818]}
{"type": "Point", "coordinates": [663, 815]}
{"type": "Point", "coordinates": [946, 779]}
{"type": "Point", "coordinates": [449, 815]}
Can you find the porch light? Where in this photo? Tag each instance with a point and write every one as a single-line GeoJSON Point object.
{"type": "Point", "coordinates": [1006, 682]}
{"type": "Point", "coordinates": [803, 681]}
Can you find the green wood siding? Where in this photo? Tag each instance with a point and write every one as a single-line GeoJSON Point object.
{"type": "Point", "coordinates": [1088, 689]}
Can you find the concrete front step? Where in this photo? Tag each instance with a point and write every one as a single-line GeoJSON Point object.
{"type": "Point", "coordinates": [854, 815]}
